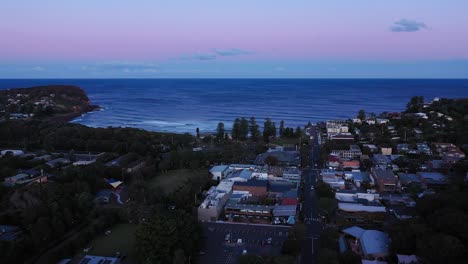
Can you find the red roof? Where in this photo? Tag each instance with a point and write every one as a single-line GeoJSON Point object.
{"type": "Point", "coordinates": [289, 201]}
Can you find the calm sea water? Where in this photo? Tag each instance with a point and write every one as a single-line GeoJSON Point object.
{"type": "Point", "coordinates": [182, 105]}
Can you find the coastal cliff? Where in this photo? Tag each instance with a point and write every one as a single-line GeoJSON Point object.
{"type": "Point", "coordinates": [59, 103]}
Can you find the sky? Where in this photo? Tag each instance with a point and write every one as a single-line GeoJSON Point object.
{"type": "Point", "coordinates": [234, 39]}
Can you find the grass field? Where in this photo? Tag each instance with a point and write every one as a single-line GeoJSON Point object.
{"type": "Point", "coordinates": [121, 239]}
{"type": "Point", "coordinates": [168, 182]}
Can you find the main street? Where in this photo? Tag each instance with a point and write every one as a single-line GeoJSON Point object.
{"type": "Point", "coordinates": [309, 206]}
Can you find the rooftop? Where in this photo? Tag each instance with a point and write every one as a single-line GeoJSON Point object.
{"type": "Point", "coordinates": [252, 183]}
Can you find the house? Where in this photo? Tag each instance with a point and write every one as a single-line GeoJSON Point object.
{"type": "Point", "coordinates": [402, 148]}
{"type": "Point", "coordinates": [257, 188]}
{"type": "Point", "coordinates": [371, 244]}
{"type": "Point", "coordinates": [385, 180]}
{"type": "Point", "coordinates": [408, 179]}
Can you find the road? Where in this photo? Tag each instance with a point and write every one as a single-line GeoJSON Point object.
{"type": "Point", "coordinates": [313, 224]}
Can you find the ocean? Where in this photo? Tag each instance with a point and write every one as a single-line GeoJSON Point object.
{"type": "Point", "coordinates": [182, 105]}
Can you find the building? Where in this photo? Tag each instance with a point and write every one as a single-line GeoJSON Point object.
{"type": "Point", "coordinates": [372, 148]}
{"type": "Point", "coordinates": [289, 198]}
{"type": "Point", "coordinates": [210, 209]}
{"type": "Point", "coordinates": [14, 152]}
{"type": "Point", "coordinates": [381, 160]}
{"type": "Point", "coordinates": [292, 174]}
{"type": "Point", "coordinates": [386, 150]}
{"type": "Point", "coordinates": [88, 259]}
{"type": "Point", "coordinates": [358, 177]}
{"type": "Point", "coordinates": [370, 244]}
{"type": "Point", "coordinates": [56, 162]}
{"type": "Point", "coordinates": [385, 180]}
{"type": "Point", "coordinates": [257, 188]}
{"type": "Point", "coordinates": [433, 179]}
{"type": "Point", "coordinates": [333, 161]}
{"type": "Point", "coordinates": [408, 180]}
{"type": "Point", "coordinates": [284, 214]}
{"type": "Point", "coordinates": [351, 164]}
{"type": "Point", "coordinates": [240, 212]}
{"type": "Point", "coordinates": [354, 152]}
{"type": "Point", "coordinates": [449, 152]}
{"type": "Point", "coordinates": [217, 172]}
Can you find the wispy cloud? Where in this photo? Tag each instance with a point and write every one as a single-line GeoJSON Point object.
{"type": "Point", "coordinates": [124, 66]}
{"type": "Point", "coordinates": [38, 68]}
{"type": "Point", "coordinates": [405, 25]}
{"type": "Point", "coordinates": [231, 52]}
{"type": "Point", "coordinates": [215, 54]}
{"type": "Point", "coordinates": [204, 56]}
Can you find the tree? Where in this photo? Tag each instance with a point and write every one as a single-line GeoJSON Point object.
{"type": "Point", "coordinates": [328, 256]}
{"type": "Point", "coordinates": [163, 238]}
{"type": "Point", "coordinates": [361, 114]}
{"type": "Point", "coordinates": [236, 129]}
{"type": "Point", "coordinates": [220, 131]}
{"type": "Point", "coordinates": [271, 160]}
{"type": "Point", "coordinates": [298, 132]}
{"type": "Point", "coordinates": [415, 104]}
{"type": "Point", "coordinates": [243, 129]}
{"type": "Point", "coordinates": [324, 190]}
{"type": "Point", "coordinates": [349, 257]}
{"type": "Point", "coordinates": [281, 128]}
{"type": "Point", "coordinates": [251, 259]}
{"type": "Point", "coordinates": [254, 129]}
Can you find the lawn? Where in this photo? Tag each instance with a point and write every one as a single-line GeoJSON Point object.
{"type": "Point", "coordinates": [285, 141]}
{"type": "Point", "coordinates": [121, 239]}
{"type": "Point", "coordinates": [168, 182]}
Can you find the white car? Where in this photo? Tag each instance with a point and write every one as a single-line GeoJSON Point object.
{"type": "Point", "coordinates": [311, 187]}
{"type": "Point", "coordinates": [244, 252]}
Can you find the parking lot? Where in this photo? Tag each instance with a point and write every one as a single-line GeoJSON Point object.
{"type": "Point", "coordinates": [251, 238]}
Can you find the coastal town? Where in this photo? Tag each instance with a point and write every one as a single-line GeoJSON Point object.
{"type": "Point", "coordinates": [371, 189]}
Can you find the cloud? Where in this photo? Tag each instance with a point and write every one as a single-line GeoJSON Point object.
{"type": "Point", "coordinates": [231, 52]}
{"type": "Point", "coordinates": [38, 69]}
{"type": "Point", "coordinates": [203, 56]}
{"type": "Point", "coordinates": [405, 25]}
{"type": "Point", "coordinates": [215, 54]}
{"type": "Point", "coordinates": [124, 66]}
